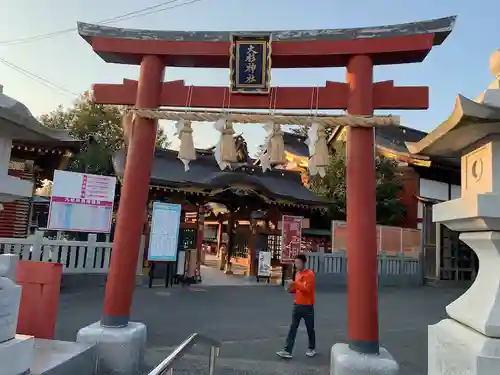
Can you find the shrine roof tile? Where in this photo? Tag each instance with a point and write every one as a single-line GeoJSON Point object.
{"type": "Point", "coordinates": [18, 122]}
{"type": "Point", "coordinates": [469, 122]}
{"type": "Point", "coordinates": [204, 173]}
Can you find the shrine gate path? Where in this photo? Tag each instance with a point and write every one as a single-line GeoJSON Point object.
{"type": "Point", "coordinates": [252, 322]}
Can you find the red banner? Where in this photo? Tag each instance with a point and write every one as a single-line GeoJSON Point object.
{"type": "Point", "coordinates": [291, 236]}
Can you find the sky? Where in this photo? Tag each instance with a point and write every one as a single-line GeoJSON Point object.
{"type": "Point", "coordinates": [459, 65]}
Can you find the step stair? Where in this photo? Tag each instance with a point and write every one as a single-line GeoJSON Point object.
{"type": "Point", "coordinates": [54, 357]}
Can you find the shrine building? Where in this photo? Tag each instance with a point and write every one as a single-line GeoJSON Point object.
{"type": "Point", "coordinates": [242, 201]}
{"type": "Point", "coordinates": [36, 151]}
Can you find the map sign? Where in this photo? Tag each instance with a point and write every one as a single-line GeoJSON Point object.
{"type": "Point", "coordinates": [164, 237]}
{"type": "Point", "coordinates": [81, 202]}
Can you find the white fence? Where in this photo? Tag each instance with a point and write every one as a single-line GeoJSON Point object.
{"type": "Point", "coordinates": [77, 257]}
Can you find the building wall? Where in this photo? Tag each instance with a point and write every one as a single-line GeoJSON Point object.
{"type": "Point", "coordinates": [14, 216]}
{"type": "Point", "coordinates": [408, 197]}
{"type": "Point", "coordinates": [435, 190]}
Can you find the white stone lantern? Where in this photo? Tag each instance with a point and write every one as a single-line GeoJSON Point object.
{"type": "Point", "coordinates": [468, 342]}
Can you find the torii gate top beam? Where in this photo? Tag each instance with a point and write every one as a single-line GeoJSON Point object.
{"type": "Point", "coordinates": [389, 44]}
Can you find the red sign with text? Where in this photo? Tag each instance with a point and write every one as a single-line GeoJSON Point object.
{"type": "Point", "coordinates": [291, 236]}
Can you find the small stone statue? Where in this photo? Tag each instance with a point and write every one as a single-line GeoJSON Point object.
{"type": "Point", "coordinates": [10, 297]}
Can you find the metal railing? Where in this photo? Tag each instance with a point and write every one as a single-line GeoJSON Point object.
{"type": "Point", "coordinates": [166, 366]}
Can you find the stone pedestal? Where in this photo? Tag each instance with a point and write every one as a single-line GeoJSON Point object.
{"type": "Point", "coordinates": [345, 361]}
{"type": "Point", "coordinates": [10, 298]}
{"type": "Point", "coordinates": [459, 350]}
{"type": "Point", "coordinates": [469, 342]}
{"type": "Point", "coordinates": [120, 351]}
{"type": "Point", "coordinates": [16, 351]}
{"type": "Point", "coordinates": [16, 355]}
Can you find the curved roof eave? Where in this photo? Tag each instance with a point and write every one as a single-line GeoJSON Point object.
{"type": "Point", "coordinates": [167, 169]}
{"type": "Point", "coordinates": [31, 130]}
{"type": "Point", "coordinates": [440, 27]}
{"type": "Point", "coordinates": [468, 123]}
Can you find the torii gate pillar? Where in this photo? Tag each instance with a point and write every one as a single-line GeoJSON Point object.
{"type": "Point", "coordinates": [124, 348]}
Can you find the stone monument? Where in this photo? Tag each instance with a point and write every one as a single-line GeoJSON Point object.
{"type": "Point", "coordinates": [16, 351]}
{"type": "Point", "coordinates": [468, 342]}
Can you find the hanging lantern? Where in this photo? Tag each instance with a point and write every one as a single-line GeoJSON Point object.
{"type": "Point", "coordinates": [276, 146]}
{"type": "Point", "coordinates": [225, 150]}
{"type": "Point", "coordinates": [187, 152]}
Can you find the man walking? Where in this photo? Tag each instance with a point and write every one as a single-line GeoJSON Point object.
{"type": "Point", "coordinates": [303, 308]}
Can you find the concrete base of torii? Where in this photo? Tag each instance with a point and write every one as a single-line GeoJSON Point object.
{"type": "Point", "coordinates": [120, 350]}
{"type": "Point", "coordinates": [345, 361]}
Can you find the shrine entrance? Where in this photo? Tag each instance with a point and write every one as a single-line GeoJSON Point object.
{"type": "Point", "coordinates": [249, 57]}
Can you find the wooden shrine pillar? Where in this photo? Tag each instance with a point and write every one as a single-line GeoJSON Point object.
{"type": "Point", "coordinates": [220, 227]}
{"type": "Point", "coordinates": [229, 245]}
{"type": "Point", "coordinates": [133, 199]}
{"type": "Point", "coordinates": [252, 267]}
{"type": "Point", "coordinates": [200, 231]}
{"type": "Point", "coordinates": [362, 292]}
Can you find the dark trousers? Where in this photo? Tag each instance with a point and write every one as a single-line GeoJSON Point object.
{"type": "Point", "coordinates": [300, 312]}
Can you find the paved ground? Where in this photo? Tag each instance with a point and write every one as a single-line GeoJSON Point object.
{"type": "Point", "coordinates": [252, 322]}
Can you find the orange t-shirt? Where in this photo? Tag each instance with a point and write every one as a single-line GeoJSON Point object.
{"type": "Point", "coordinates": [303, 287]}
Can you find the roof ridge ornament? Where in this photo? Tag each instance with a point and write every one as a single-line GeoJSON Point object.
{"type": "Point", "coordinates": [491, 96]}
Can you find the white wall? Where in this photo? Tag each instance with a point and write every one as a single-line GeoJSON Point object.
{"type": "Point", "coordinates": [435, 190]}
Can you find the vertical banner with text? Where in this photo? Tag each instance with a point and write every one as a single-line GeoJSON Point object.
{"type": "Point", "coordinates": [291, 237]}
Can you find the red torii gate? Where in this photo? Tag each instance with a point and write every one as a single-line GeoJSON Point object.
{"type": "Point", "coordinates": [356, 49]}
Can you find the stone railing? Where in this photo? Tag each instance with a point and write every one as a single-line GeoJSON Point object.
{"type": "Point", "coordinates": [331, 269]}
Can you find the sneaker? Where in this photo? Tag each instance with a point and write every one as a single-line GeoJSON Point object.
{"type": "Point", "coordinates": [284, 354]}
{"type": "Point", "coordinates": [310, 353]}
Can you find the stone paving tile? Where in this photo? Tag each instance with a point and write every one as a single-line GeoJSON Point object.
{"type": "Point", "coordinates": [252, 322]}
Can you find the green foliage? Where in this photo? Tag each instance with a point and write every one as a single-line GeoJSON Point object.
{"type": "Point", "coordinates": [390, 210]}
{"type": "Point", "coordinates": [302, 131]}
{"type": "Point", "coordinates": [99, 125]}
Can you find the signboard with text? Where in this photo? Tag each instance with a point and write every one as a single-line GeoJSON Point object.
{"type": "Point", "coordinates": [291, 237]}
{"type": "Point", "coordinates": [81, 202]}
{"type": "Point", "coordinates": [250, 64]}
{"type": "Point", "coordinates": [164, 236]}
{"type": "Point", "coordinates": [264, 264]}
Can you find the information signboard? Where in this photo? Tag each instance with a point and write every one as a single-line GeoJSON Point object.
{"type": "Point", "coordinates": [81, 202]}
{"type": "Point", "coordinates": [264, 265]}
{"type": "Point", "coordinates": [291, 237]}
{"type": "Point", "coordinates": [164, 237]}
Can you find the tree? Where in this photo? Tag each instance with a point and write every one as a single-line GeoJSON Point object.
{"type": "Point", "coordinates": [45, 190]}
{"type": "Point", "coordinates": [302, 131]}
{"type": "Point", "coordinates": [390, 210]}
{"type": "Point", "coordinates": [100, 126]}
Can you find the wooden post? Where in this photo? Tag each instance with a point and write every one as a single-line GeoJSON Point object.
{"type": "Point", "coordinates": [133, 199]}
{"type": "Point", "coordinates": [252, 242]}
{"type": "Point", "coordinates": [230, 225]}
{"type": "Point", "coordinates": [362, 293]}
